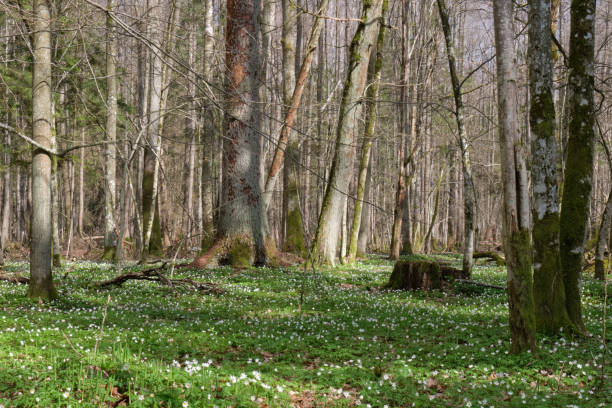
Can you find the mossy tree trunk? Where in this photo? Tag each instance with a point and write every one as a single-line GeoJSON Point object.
{"type": "Point", "coordinates": [469, 191]}
{"type": "Point", "coordinates": [577, 183]}
{"type": "Point", "coordinates": [549, 292]}
{"type": "Point", "coordinates": [374, 75]}
{"type": "Point", "coordinates": [326, 237]}
{"type": "Point", "coordinates": [41, 280]}
{"type": "Point", "coordinates": [517, 246]}
{"type": "Point", "coordinates": [110, 149]}
{"type": "Point", "coordinates": [241, 238]}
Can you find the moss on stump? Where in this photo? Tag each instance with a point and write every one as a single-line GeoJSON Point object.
{"type": "Point", "coordinates": [415, 274]}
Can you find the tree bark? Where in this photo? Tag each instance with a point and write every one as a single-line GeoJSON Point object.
{"type": "Point", "coordinates": [469, 192]}
{"type": "Point", "coordinates": [110, 149]}
{"type": "Point", "coordinates": [241, 239]}
{"type": "Point", "coordinates": [550, 310]}
{"type": "Point", "coordinates": [602, 239]}
{"type": "Point", "coordinates": [326, 237]}
{"type": "Point", "coordinates": [41, 280]}
{"type": "Point", "coordinates": [577, 183]}
{"type": "Point", "coordinates": [517, 246]}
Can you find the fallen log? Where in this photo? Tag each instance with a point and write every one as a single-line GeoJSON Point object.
{"type": "Point", "coordinates": [493, 256]}
{"type": "Point", "coordinates": [13, 278]}
{"type": "Point", "coordinates": [155, 274]}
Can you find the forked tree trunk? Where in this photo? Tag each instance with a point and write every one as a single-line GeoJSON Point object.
{"type": "Point", "coordinates": [241, 239]}
{"type": "Point", "coordinates": [326, 238]}
{"type": "Point", "coordinates": [469, 191]}
{"type": "Point", "coordinates": [110, 149]}
{"type": "Point", "coordinates": [517, 246]}
{"type": "Point", "coordinates": [549, 293]}
{"type": "Point", "coordinates": [577, 183]}
{"type": "Point", "coordinates": [374, 74]}
{"type": "Point", "coordinates": [41, 280]}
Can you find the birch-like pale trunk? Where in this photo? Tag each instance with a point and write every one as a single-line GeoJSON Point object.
{"type": "Point", "coordinates": [110, 149]}
{"type": "Point", "coordinates": [326, 238]}
{"type": "Point", "coordinates": [517, 246]}
{"type": "Point", "coordinates": [549, 293]}
{"type": "Point", "coordinates": [469, 191]}
{"type": "Point", "coordinates": [41, 280]}
{"type": "Point", "coordinates": [208, 232]}
{"type": "Point", "coordinates": [578, 178]}
{"type": "Point", "coordinates": [190, 137]}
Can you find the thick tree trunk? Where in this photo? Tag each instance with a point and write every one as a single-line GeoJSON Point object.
{"type": "Point", "coordinates": [374, 75]}
{"type": "Point", "coordinates": [517, 246]}
{"type": "Point", "coordinates": [41, 280]}
{"type": "Point", "coordinates": [241, 239]}
{"type": "Point", "coordinates": [577, 183]}
{"type": "Point", "coordinates": [326, 238]}
{"type": "Point", "coordinates": [549, 292]}
{"type": "Point", "coordinates": [469, 191]}
{"type": "Point", "coordinates": [110, 149]}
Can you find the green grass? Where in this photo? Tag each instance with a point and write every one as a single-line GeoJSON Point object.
{"type": "Point", "coordinates": [253, 346]}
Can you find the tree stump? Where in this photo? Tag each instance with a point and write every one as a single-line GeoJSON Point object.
{"type": "Point", "coordinates": [423, 274]}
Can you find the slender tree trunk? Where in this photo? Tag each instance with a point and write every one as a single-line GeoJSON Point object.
{"type": "Point", "coordinates": [41, 280]}
{"type": "Point", "coordinates": [517, 246]}
{"type": "Point", "coordinates": [152, 229]}
{"type": "Point", "coordinates": [602, 239]}
{"type": "Point", "coordinates": [550, 310]}
{"type": "Point", "coordinates": [366, 218]}
{"type": "Point", "coordinates": [110, 149]}
{"type": "Point", "coordinates": [6, 197]}
{"type": "Point", "coordinates": [190, 137]}
{"type": "Point", "coordinates": [577, 183]}
{"type": "Point", "coordinates": [469, 191]}
{"type": "Point", "coordinates": [326, 237]}
{"type": "Point", "coordinates": [208, 232]}
{"type": "Point", "coordinates": [81, 186]}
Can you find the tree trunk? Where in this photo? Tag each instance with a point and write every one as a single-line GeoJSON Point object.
{"type": "Point", "coordinates": [241, 239]}
{"type": "Point", "coordinates": [374, 75]}
{"type": "Point", "coordinates": [110, 149]}
{"type": "Point", "coordinates": [41, 280]}
{"type": "Point", "coordinates": [6, 197]}
{"type": "Point", "coordinates": [517, 246]}
{"type": "Point", "coordinates": [366, 219]}
{"type": "Point", "coordinates": [602, 239]}
{"type": "Point", "coordinates": [190, 138]}
{"type": "Point", "coordinates": [152, 229]}
{"type": "Point", "coordinates": [208, 226]}
{"type": "Point", "coordinates": [469, 192]}
{"type": "Point", "coordinates": [550, 311]}
{"type": "Point", "coordinates": [326, 237]}
{"type": "Point", "coordinates": [577, 183]}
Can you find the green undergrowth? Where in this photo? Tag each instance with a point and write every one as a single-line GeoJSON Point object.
{"type": "Point", "coordinates": [280, 338]}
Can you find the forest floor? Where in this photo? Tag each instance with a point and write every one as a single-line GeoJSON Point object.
{"type": "Point", "coordinates": [285, 338]}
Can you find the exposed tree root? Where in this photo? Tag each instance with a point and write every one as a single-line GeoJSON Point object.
{"type": "Point", "coordinates": [155, 274]}
{"type": "Point", "coordinates": [13, 278]}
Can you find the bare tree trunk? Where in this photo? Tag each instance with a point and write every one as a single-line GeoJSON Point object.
{"type": "Point", "coordinates": [550, 310]}
{"type": "Point", "coordinates": [6, 197]}
{"type": "Point", "coordinates": [242, 237]}
{"type": "Point", "coordinates": [152, 229]}
{"type": "Point", "coordinates": [55, 199]}
{"type": "Point", "coordinates": [208, 232]}
{"type": "Point", "coordinates": [110, 149]}
{"type": "Point", "coordinates": [469, 192]}
{"type": "Point", "coordinates": [374, 75]}
{"type": "Point", "coordinates": [190, 136]}
{"type": "Point", "coordinates": [81, 186]}
{"type": "Point", "coordinates": [366, 218]}
{"type": "Point", "coordinates": [326, 238]}
{"type": "Point", "coordinates": [517, 246]}
{"type": "Point", "coordinates": [41, 280]}
{"type": "Point", "coordinates": [577, 183]}
{"type": "Point", "coordinates": [602, 239]}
